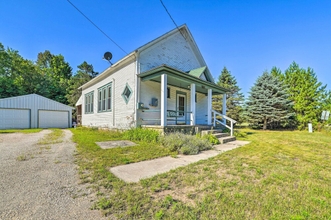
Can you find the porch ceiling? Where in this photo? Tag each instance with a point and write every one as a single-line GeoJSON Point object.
{"type": "Point", "coordinates": [181, 79]}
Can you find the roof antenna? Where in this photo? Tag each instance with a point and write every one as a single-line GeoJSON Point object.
{"type": "Point", "coordinates": [107, 56]}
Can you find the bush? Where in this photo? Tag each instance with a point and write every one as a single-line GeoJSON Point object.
{"type": "Point", "coordinates": [185, 144]}
{"type": "Point", "coordinates": [189, 149]}
{"type": "Point", "coordinates": [141, 134]}
{"type": "Point", "coordinates": [173, 141]}
{"type": "Point", "coordinates": [211, 138]}
{"type": "Point", "coordinates": [203, 144]}
{"type": "Point", "coordinates": [240, 134]}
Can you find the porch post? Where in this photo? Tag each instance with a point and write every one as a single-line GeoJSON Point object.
{"type": "Point", "coordinates": [224, 107]}
{"type": "Point", "coordinates": [209, 106]}
{"type": "Point", "coordinates": [164, 82]}
{"type": "Point", "coordinates": [192, 121]}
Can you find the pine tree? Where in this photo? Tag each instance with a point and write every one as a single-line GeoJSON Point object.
{"type": "Point", "coordinates": [234, 98]}
{"type": "Point", "coordinates": [308, 95]}
{"type": "Point", "coordinates": [268, 102]}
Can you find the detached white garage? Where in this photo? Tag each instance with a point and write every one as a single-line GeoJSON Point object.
{"type": "Point", "coordinates": [34, 111]}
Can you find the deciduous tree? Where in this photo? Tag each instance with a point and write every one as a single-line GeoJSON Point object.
{"type": "Point", "coordinates": [84, 74]}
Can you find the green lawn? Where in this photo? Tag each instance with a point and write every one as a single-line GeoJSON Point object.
{"type": "Point", "coordinates": [279, 175]}
{"type": "Point", "coordinates": [26, 131]}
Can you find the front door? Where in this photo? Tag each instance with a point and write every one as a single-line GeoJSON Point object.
{"type": "Point", "coordinates": [181, 109]}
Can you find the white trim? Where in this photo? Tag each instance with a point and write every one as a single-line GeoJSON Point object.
{"type": "Point", "coordinates": [192, 121]}
{"type": "Point", "coordinates": [136, 91]}
{"type": "Point", "coordinates": [209, 106]}
{"type": "Point", "coordinates": [164, 99]}
{"type": "Point", "coordinates": [110, 70]}
{"type": "Point", "coordinates": [224, 107]}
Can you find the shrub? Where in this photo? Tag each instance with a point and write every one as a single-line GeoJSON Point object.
{"type": "Point", "coordinates": [211, 138]}
{"type": "Point", "coordinates": [239, 134]}
{"type": "Point", "coordinates": [203, 144]}
{"type": "Point", "coordinates": [173, 141]}
{"type": "Point", "coordinates": [141, 134]}
{"type": "Point", "coordinates": [189, 149]}
{"type": "Point", "coordinates": [185, 144]}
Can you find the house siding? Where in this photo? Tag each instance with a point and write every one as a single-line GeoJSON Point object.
{"type": "Point", "coordinates": [201, 109]}
{"type": "Point", "coordinates": [122, 114]}
{"type": "Point", "coordinates": [173, 51]}
{"type": "Point", "coordinates": [151, 90]}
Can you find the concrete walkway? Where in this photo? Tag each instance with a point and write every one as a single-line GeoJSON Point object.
{"type": "Point", "coordinates": [145, 169]}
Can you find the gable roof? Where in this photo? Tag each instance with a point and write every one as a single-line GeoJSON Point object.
{"type": "Point", "coordinates": [183, 29]}
{"type": "Point", "coordinates": [25, 101]}
{"type": "Point", "coordinates": [185, 32]}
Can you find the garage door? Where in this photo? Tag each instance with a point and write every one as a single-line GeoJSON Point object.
{"type": "Point", "coordinates": [53, 119]}
{"type": "Point", "coordinates": [14, 118]}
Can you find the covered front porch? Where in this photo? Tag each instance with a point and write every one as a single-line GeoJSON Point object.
{"type": "Point", "coordinates": [170, 97]}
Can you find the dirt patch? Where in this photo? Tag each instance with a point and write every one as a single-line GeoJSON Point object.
{"type": "Point", "coordinates": [185, 195]}
{"type": "Point", "coordinates": [114, 144]}
{"type": "Point", "coordinates": [41, 181]}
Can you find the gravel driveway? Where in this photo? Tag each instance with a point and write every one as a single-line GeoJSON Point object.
{"type": "Point", "coordinates": [41, 181]}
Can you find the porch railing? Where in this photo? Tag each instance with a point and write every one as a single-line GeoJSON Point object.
{"type": "Point", "coordinates": [172, 115]}
{"type": "Point", "coordinates": [221, 119]}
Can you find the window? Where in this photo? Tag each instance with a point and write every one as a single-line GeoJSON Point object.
{"type": "Point", "coordinates": [104, 98]}
{"type": "Point", "coordinates": [127, 93]}
{"type": "Point", "coordinates": [109, 98]}
{"type": "Point", "coordinates": [168, 92]}
{"type": "Point", "coordinates": [89, 102]}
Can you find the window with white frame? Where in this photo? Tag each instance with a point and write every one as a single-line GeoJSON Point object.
{"type": "Point", "coordinates": [104, 98]}
{"type": "Point", "coordinates": [89, 102]}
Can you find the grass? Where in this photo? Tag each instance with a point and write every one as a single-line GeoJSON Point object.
{"type": "Point", "coordinates": [56, 136]}
{"type": "Point", "coordinates": [21, 157]}
{"type": "Point", "coordinates": [25, 131]}
{"type": "Point", "coordinates": [279, 175]}
{"type": "Point", "coordinates": [24, 157]}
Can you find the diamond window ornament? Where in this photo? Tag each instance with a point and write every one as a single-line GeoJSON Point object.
{"type": "Point", "coordinates": [127, 93]}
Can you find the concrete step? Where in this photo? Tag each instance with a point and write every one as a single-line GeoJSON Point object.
{"type": "Point", "coordinates": [228, 139]}
{"type": "Point", "coordinates": [213, 131]}
{"type": "Point", "coordinates": [221, 135]}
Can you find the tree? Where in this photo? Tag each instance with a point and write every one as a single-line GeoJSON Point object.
{"type": "Point", "coordinates": [57, 72]}
{"type": "Point", "coordinates": [234, 98]}
{"type": "Point", "coordinates": [84, 74]}
{"type": "Point", "coordinates": [7, 81]}
{"type": "Point", "coordinates": [309, 95]}
{"type": "Point", "coordinates": [268, 102]}
{"type": "Point", "coordinates": [18, 76]}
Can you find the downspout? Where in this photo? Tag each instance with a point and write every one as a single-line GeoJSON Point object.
{"type": "Point", "coordinates": [114, 102]}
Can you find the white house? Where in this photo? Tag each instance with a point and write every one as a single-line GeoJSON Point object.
{"type": "Point", "coordinates": [33, 111]}
{"type": "Point", "coordinates": [164, 83]}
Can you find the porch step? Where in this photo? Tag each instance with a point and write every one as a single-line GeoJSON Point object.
{"type": "Point", "coordinates": [213, 131]}
{"type": "Point", "coordinates": [228, 139]}
{"type": "Point", "coordinates": [222, 137]}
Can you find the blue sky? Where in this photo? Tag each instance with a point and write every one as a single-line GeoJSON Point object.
{"type": "Point", "coordinates": [247, 37]}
